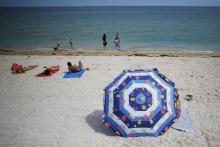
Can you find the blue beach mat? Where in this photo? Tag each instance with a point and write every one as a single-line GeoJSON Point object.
{"type": "Point", "coordinates": [74, 74]}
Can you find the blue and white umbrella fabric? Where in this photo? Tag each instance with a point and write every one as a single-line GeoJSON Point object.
{"type": "Point", "coordinates": [141, 103]}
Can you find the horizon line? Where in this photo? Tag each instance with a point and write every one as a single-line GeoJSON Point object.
{"type": "Point", "coordinates": [112, 6]}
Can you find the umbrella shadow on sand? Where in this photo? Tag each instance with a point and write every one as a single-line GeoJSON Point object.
{"type": "Point", "coordinates": [95, 122]}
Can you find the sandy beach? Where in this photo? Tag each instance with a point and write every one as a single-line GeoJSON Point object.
{"type": "Point", "coordinates": [57, 112]}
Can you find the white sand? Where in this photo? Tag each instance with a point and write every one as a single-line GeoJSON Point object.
{"type": "Point", "coordinates": [57, 112]}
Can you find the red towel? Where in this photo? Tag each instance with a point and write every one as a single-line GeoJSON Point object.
{"type": "Point", "coordinates": [49, 71]}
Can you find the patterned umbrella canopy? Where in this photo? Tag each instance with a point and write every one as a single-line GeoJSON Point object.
{"type": "Point", "coordinates": [141, 103]}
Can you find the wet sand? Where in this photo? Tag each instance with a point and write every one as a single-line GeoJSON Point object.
{"type": "Point", "coordinates": [95, 52]}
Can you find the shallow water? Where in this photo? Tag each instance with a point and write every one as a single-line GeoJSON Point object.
{"type": "Point", "coordinates": [149, 28]}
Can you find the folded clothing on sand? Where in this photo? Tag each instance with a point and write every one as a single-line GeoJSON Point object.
{"type": "Point", "coordinates": [49, 71]}
{"type": "Point", "coordinates": [17, 68]}
{"type": "Point", "coordinates": [74, 74]}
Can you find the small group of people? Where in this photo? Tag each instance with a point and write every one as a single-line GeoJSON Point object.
{"type": "Point", "coordinates": [116, 41]}
{"type": "Point", "coordinates": [104, 42]}
{"type": "Point", "coordinates": [17, 69]}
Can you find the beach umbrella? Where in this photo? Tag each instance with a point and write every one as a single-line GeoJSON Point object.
{"type": "Point", "coordinates": [141, 103]}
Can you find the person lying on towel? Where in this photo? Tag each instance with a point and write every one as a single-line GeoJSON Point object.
{"type": "Point", "coordinates": [17, 68]}
{"type": "Point", "coordinates": [75, 68]}
{"type": "Point", "coordinates": [49, 71]}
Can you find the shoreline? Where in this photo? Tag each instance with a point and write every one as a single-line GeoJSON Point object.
{"type": "Point", "coordinates": [111, 52]}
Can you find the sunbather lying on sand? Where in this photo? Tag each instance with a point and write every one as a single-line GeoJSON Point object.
{"type": "Point", "coordinates": [16, 68]}
{"type": "Point", "coordinates": [49, 71]}
{"type": "Point", "coordinates": [75, 68]}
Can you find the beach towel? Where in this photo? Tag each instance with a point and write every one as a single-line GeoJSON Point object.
{"type": "Point", "coordinates": [49, 71]}
{"type": "Point", "coordinates": [184, 123]}
{"type": "Point", "coordinates": [17, 68]}
{"type": "Point", "coordinates": [74, 74]}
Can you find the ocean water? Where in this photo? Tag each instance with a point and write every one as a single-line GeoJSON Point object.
{"type": "Point", "coordinates": [148, 28]}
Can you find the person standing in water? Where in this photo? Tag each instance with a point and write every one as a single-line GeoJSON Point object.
{"type": "Point", "coordinates": [117, 41]}
{"type": "Point", "coordinates": [104, 39]}
{"type": "Point", "coordinates": [71, 43]}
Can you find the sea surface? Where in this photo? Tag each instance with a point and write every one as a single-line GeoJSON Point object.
{"type": "Point", "coordinates": [147, 28]}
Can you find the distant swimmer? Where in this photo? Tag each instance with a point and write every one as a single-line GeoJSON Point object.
{"type": "Point", "coordinates": [71, 43]}
{"type": "Point", "coordinates": [117, 41]}
{"type": "Point", "coordinates": [104, 39]}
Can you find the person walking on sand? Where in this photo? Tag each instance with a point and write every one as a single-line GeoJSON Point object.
{"type": "Point", "coordinates": [117, 41]}
{"type": "Point", "coordinates": [71, 43]}
{"type": "Point", "coordinates": [104, 40]}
